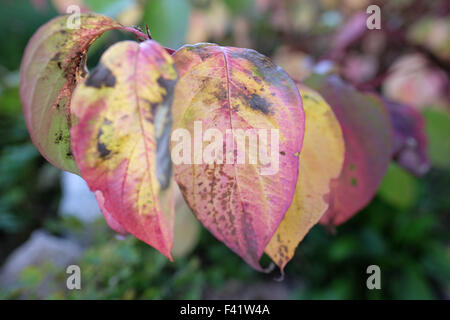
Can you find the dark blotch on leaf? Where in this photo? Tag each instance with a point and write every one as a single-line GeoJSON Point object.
{"type": "Point", "coordinates": [101, 76]}
{"type": "Point", "coordinates": [59, 137]}
{"type": "Point", "coordinates": [167, 84]}
{"type": "Point", "coordinates": [101, 147]}
{"type": "Point", "coordinates": [312, 98]}
{"type": "Point", "coordinates": [153, 107]}
{"type": "Point", "coordinates": [221, 93]}
{"type": "Point", "coordinates": [259, 104]}
{"type": "Point", "coordinates": [57, 58]}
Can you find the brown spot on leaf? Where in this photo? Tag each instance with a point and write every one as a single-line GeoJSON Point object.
{"type": "Point", "coordinates": [221, 93]}
{"type": "Point", "coordinates": [69, 154]}
{"type": "Point", "coordinates": [258, 103]}
{"type": "Point", "coordinates": [59, 137]}
{"type": "Point", "coordinates": [153, 108]}
{"type": "Point", "coordinates": [101, 76]}
{"type": "Point", "coordinates": [101, 147]}
{"type": "Point", "coordinates": [56, 57]}
{"type": "Point", "coordinates": [309, 97]}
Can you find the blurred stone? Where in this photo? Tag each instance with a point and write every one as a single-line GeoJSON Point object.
{"type": "Point", "coordinates": [40, 250]}
{"type": "Point", "coordinates": [77, 200]}
{"type": "Point", "coordinates": [48, 177]}
{"type": "Point", "coordinates": [257, 291]}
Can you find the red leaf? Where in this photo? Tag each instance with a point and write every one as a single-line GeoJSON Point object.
{"type": "Point", "coordinates": [410, 142]}
{"type": "Point", "coordinates": [368, 136]}
{"type": "Point", "coordinates": [231, 88]}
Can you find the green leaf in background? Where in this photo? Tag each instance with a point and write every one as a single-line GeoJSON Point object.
{"type": "Point", "coordinates": [239, 6]}
{"type": "Point", "coordinates": [9, 104]}
{"type": "Point", "coordinates": [18, 21]}
{"type": "Point", "coordinates": [110, 8]}
{"type": "Point", "coordinates": [31, 276]}
{"type": "Point", "coordinates": [167, 21]}
{"type": "Point", "coordinates": [438, 132]}
{"type": "Point", "coordinates": [412, 285]}
{"type": "Point", "coordinates": [399, 188]}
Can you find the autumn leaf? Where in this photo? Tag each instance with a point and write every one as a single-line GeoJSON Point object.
{"type": "Point", "coordinates": [110, 220]}
{"type": "Point", "coordinates": [187, 228]}
{"type": "Point", "coordinates": [410, 141]}
{"type": "Point", "coordinates": [53, 64]}
{"type": "Point", "coordinates": [321, 160]}
{"type": "Point", "coordinates": [122, 119]}
{"type": "Point", "coordinates": [368, 136]}
{"type": "Point", "coordinates": [225, 88]}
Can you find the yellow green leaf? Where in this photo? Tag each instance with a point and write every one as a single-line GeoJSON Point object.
{"type": "Point", "coordinates": [321, 161]}
{"type": "Point", "coordinates": [122, 116]}
{"type": "Point", "coordinates": [52, 65]}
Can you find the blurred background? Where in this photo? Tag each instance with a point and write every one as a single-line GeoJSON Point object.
{"type": "Point", "coordinates": [49, 220]}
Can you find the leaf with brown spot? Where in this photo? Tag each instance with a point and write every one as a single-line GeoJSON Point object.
{"type": "Point", "coordinates": [232, 88]}
{"type": "Point", "coordinates": [122, 114]}
{"type": "Point", "coordinates": [368, 135]}
{"type": "Point", "coordinates": [321, 161]}
{"type": "Point", "coordinates": [52, 65]}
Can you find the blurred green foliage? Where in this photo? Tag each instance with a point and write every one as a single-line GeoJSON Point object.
{"type": "Point", "coordinates": [438, 132]}
{"type": "Point", "coordinates": [168, 20]}
{"type": "Point", "coordinates": [404, 230]}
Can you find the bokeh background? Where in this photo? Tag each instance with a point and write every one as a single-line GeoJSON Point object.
{"type": "Point", "coordinates": [48, 220]}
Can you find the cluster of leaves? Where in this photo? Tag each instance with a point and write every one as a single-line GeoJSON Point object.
{"type": "Point", "coordinates": [113, 127]}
